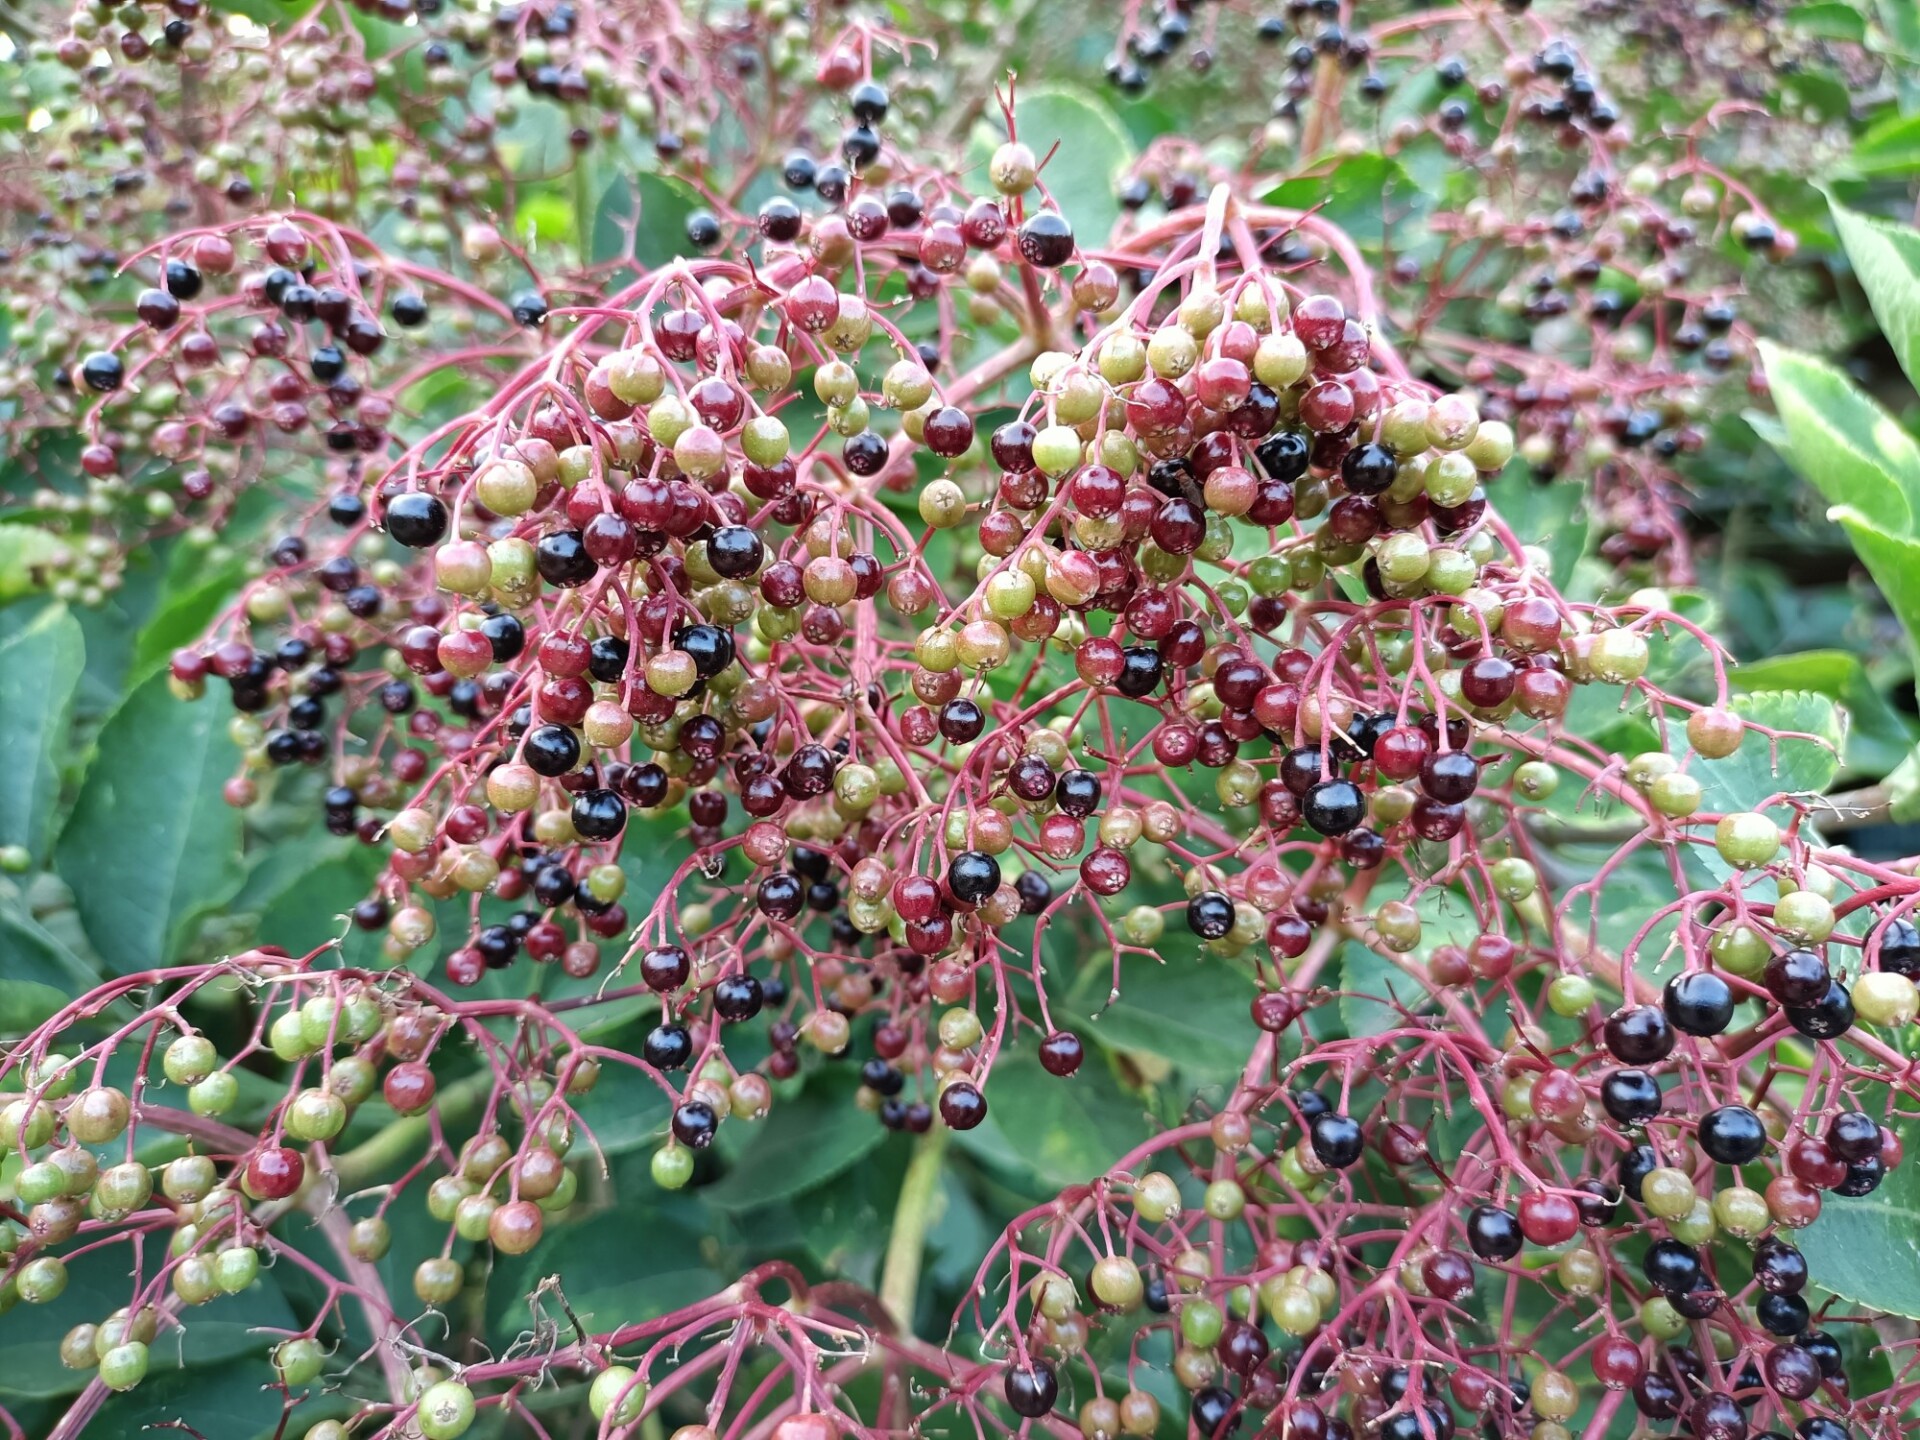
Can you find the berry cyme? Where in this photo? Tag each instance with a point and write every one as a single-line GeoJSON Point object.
{"type": "Point", "coordinates": [698, 548]}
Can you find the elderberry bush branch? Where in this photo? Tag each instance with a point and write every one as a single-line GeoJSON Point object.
{"type": "Point", "coordinates": [892, 601]}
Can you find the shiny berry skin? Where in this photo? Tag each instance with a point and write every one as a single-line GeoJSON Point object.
{"type": "Point", "coordinates": [1493, 1233]}
{"type": "Point", "coordinates": [1548, 1219]}
{"type": "Point", "coordinates": [972, 876]}
{"type": "Point", "coordinates": [1031, 1392]}
{"type": "Point", "coordinates": [1639, 1035]}
{"type": "Point", "coordinates": [695, 1124]}
{"type": "Point", "coordinates": [275, 1172]}
{"type": "Point", "coordinates": [1798, 977]}
{"type": "Point", "coordinates": [1333, 807]}
{"type": "Point", "coordinates": [1631, 1097]}
{"type": "Point", "coordinates": [1210, 915]}
{"type": "Point", "coordinates": [1061, 1053]}
{"type": "Point", "coordinates": [1698, 1002]}
{"type": "Point", "coordinates": [962, 1106]}
{"type": "Point", "coordinates": [1046, 240]}
{"type": "Point", "coordinates": [1337, 1140]}
{"type": "Point", "coordinates": [1732, 1135]}
{"type": "Point", "coordinates": [416, 520]}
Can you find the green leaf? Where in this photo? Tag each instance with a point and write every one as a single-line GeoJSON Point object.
{"type": "Point", "coordinates": [1889, 147]}
{"type": "Point", "coordinates": [192, 595]}
{"type": "Point", "coordinates": [25, 552]}
{"type": "Point", "coordinates": [1877, 738]}
{"type": "Point", "coordinates": [1830, 20]}
{"type": "Point", "coordinates": [1867, 1250]}
{"type": "Point", "coordinates": [39, 671]}
{"type": "Point", "coordinates": [1357, 195]}
{"type": "Point", "coordinates": [1853, 451]}
{"type": "Point", "coordinates": [1894, 563]}
{"type": "Point", "coordinates": [615, 1268]}
{"type": "Point", "coordinates": [98, 1283]}
{"type": "Point", "coordinates": [151, 844]}
{"type": "Point", "coordinates": [642, 219]}
{"type": "Point", "coordinates": [1057, 1132]}
{"type": "Point", "coordinates": [40, 973]}
{"type": "Point", "coordinates": [814, 1138]}
{"type": "Point", "coordinates": [1551, 516]}
{"type": "Point", "coordinates": [1763, 767]}
{"type": "Point", "coordinates": [1903, 789]}
{"type": "Point", "coordinates": [1886, 257]}
{"type": "Point", "coordinates": [1084, 175]}
{"type": "Point", "coordinates": [1901, 20]}
{"type": "Point", "coordinates": [1190, 1011]}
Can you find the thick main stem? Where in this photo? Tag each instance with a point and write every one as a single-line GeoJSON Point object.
{"type": "Point", "coordinates": [900, 1276]}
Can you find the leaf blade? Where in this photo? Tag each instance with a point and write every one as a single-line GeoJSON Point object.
{"type": "Point", "coordinates": [40, 669]}
{"type": "Point", "coordinates": [151, 842]}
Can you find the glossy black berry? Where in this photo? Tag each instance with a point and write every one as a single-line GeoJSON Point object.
{"type": "Point", "coordinates": [1210, 914]}
{"type": "Point", "coordinates": [598, 814]}
{"type": "Point", "coordinates": [1337, 1140]}
{"type": "Point", "coordinates": [1031, 1391]}
{"type": "Point", "coordinates": [1631, 1097]}
{"type": "Point", "coordinates": [1368, 469]}
{"type": "Point", "coordinates": [1672, 1266]}
{"type": "Point", "coordinates": [102, 371]}
{"type": "Point", "coordinates": [551, 750]}
{"type": "Point", "coordinates": [1493, 1233]}
{"type": "Point", "coordinates": [667, 1047]}
{"type": "Point", "coordinates": [1333, 807]}
{"type": "Point", "coordinates": [735, 552]}
{"type": "Point", "coordinates": [1784, 1315]}
{"type": "Point", "coordinates": [530, 309]}
{"type": "Point", "coordinates": [1698, 1002]}
{"type": "Point", "coordinates": [737, 997]}
{"type": "Point", "coordinates": [408, 311]}
{"type": "Point", "coordinates": [972, 876]}
{"type": "Point", "coordinates": [1140, 670]}
{"type": "Point", "coordinates": [1899, 949]}
{"type": "Point", "coordinates": [1214, 1413]}
{"type": "Point", "coordinates": [417, 521]}
{"type": "Point", "coordinates": [506, 635]}
{"type": "Point", "coordinates": [1853, 1136]}
{"type": "Point", "coordinates": [1828, 1018]}
{"type": "Point", "coordinates": [1046, 240]}
{"type": "Point", "coordinates": [1798, 977]}
{"type": "Point", "coordinates": [695, 1124]}
{"type": "Point", "coordinates": [562, 559]}
{"type": "Point", "coordinates": [1639, 1035]}
{"type": "Point", "coordinates": [868, 101]}
{"type": "Point", "coordinates": [1732, 1135]}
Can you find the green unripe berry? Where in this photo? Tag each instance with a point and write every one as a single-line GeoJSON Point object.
{"type": "Point", "coordinates": [1618, 657]}
{"type": "Point", "coordinates": [619, 1392]}
{"type": "Point", "coordinates": [1740, 950]}
{"type": "Point", "coordinates": [1741, 1212]}
{"type": "Point", "coordinates": [1661, 1320]}
{"type": "Point", "coordinates": [1201, 1323]}
{"type": "Point", "coordinates": [1746, 840]}
{"type": "Point", "coordinates": [215, 1095]}
{"type": "Point", "coordinates": [124, 1366]}
{"type": "Point", "coordinates": [446, 1411]}
{"type": "Point", "coordinates": [1883, 998]}
{"type": "Point", "coordinates": [299, 1361]}
{"type": "Point", "coordinates": [1675, 795]}
{"type": "Point", "coordinates": [1536, 780]}
{"type": "Point", "coordinates": [1804, 916]}
{"type": "Point", "coordinates": [672, 1166]}
{"type": "Point", "coordinates": [1225, 1200]}
{"type": "Point", "coordinates": [190, 1059]}
{"type": "Point", "coordinates": [1667, 1192]}
{"type": "Point", "coordinates": [437, 1281]}
{"type": "Point", "coordinates": [235, 1269]}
